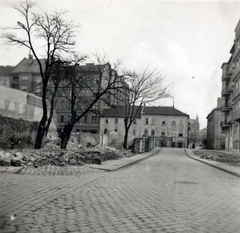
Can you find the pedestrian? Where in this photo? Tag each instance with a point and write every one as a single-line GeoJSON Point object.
{"type": "Point", "coordinates": [193, 146]}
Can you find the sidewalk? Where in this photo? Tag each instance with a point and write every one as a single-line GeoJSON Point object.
{"type": "Point", "coordinates": [222, 166]}
{"type": "Point", "coordinates": [113, 165]}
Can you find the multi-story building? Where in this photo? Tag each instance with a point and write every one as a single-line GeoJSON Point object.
{"type": "Point", "coordinates": [215, 135]}
{"type": "Point", "coordinates": [94, 78]}
{"type": "Point", "coordinates": [167, 125]}
{"type": "Point", "coordinates": [25, 76]}
{"type": "Point", "coordinates": [231, 95]}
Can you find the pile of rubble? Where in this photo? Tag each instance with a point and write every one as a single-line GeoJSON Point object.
{"type": "Point", "coordinates": [218, 156]}
{"type": "Point", "coordinates": [73, 155]}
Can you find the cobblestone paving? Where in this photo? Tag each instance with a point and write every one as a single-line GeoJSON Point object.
{"type": "Point", "coordinates": [165, 193]}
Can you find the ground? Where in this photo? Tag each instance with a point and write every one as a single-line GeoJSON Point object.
{"type": "Point", "coordinates": [166, 193]}
{"type": "Point", "coordinates": [219, 156]}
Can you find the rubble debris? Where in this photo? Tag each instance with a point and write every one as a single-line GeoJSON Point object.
{"type": "Point", "coordinates": [52, 155]}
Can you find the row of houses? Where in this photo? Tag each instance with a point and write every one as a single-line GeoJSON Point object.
{"type": "Point", "coordinates": [223, 129]}
{"type": "Point", "coordinates": [167, 125]}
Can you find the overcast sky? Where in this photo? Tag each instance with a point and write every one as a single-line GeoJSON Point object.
{"type": "Point", "coordinates": [182, 39]}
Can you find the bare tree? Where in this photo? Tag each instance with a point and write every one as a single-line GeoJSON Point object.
{"type": "Point", "coordinates": [38, 30]}
{"type": "Point", "coordinates": [142, 89]}
{"type": "Point", "coordinates": [86, 87]}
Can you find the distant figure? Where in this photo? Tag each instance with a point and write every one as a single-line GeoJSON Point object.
{"type": "Point", "coordinates": [193, 146]}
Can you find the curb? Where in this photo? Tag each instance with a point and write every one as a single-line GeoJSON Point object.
{"type": "Point", "coordinates": [127, 164]}
{"type": "Point", "coordinates": [212, 165]}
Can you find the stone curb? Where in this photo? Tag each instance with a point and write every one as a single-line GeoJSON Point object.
{"type": "Point", "coordinates": [127, 163]}
{"type": "Point", "coordinates": [220, 166]}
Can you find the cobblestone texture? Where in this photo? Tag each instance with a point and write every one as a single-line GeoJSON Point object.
{"type": "Point", "coordinates": [167, 193]}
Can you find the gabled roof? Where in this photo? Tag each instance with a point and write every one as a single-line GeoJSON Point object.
{"type": "Point", "coordinates": [169, 111]}
{"type": "Point", "coordinates": [27, 66]}
{"type": "Point", "coordinates": [5, 70]}
{"type": "Point", "coordinates": [118, 111]}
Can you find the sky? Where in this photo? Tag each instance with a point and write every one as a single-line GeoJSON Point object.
{"type": "Point", "coordinates": [186, 41]}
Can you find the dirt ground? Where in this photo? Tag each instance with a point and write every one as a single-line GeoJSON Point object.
{"type": "Point", "coordinates": [219, 156]}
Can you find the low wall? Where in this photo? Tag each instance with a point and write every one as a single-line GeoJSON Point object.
{"type": "Point", "coordinates": [20, 113]}
{"type": "Point", "coordinates": [19, 104]}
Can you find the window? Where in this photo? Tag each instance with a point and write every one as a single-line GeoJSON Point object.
{"type": "Point", "coordinates": [94, 119]}
{"type": "Point", "coordinates": [181, 122]}
{"type": "Point", "coordinates": [116, 120]}
{"type": "Point", "coordinates": [180, 134]}
{"type": "Point", "coordinates": [153, 121]}
{"type": "Point", "coordinates": [24, 88]}
{"type": "Point", "coordinates": [134, 122]}
{"type": "Point", "coordinates": [163, 133]}
{"type": "Point", "coordinates": [145, 132]}
{"type": "Point", "coordinates": [173, 123]}
{"type": "Point", "coordinates": [163, 122]}
{"type": "Point", "coordinates": [173, 133]}
{"type": "Point", "coordinates": [87, 93]}
{"type": "Point", "coordinates": [106, 121]}
{"type": "Point", "coordinates": [116, 129]}
{"type": "Point", "coordinates": [85, 119]}
{"type": "Point", "coordinates": [25, 77]}
{"type": "Point", "coordinates": [153, 132]}
{"type": "Point", "coordinates": [134, 132]}
{"type": "Point", "coordinates": [15, 79]}
{"type": "Point", "coordinates": [146, 121]}
{"type": "Point", "coordinates": [62, 119]}
{"type": "Point", "coordinates": [105, 131]}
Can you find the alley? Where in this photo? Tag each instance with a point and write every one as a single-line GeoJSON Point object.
{"type": "Point", "coordinates": [167, 192]}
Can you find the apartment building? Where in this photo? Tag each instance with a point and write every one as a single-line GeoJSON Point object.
{"type": "Point", "coordinates": [25, 76]}
{"type": "Point", "coordinates": [231, 95]}
{"type": "Point", "coordinates": [167, 125]}
{"type": "Point", "coordinates": [215, 135]}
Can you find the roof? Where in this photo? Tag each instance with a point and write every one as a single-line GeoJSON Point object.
{"type": "Point", "coordinates": [27, 66]}
{"type": "Point", "coordinates": [5, 70]}
{"type": "Point", "coordinates": [162, 110]}
{"type": "Point", "coordinates": [118, 111]}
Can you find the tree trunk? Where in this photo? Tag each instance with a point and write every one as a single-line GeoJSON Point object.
{"type": "Point", "coordinates": [66, 135]}
{"type": "Point", "coordinates": [125, 142]}
{"type": "Point", "coordinates": [40, 134]}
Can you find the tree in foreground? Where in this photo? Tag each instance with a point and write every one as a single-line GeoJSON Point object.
{"type": "Point", "coordinates": [37, 31]}
{"type": "Point", "coordinates": [86, 88]}
{"type": "Point", "coordinates": [143, 88]}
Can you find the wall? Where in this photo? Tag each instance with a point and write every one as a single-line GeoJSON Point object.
{"type": "Point", "coordinates": [17, 104]}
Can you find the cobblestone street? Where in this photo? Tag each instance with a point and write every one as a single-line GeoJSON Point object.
{"type": "Point", "coordinates": [167, 192]}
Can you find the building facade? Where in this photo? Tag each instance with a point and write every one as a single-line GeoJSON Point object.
{"type": "Point", "coordinates": [215, 135]}
{"type": "Point", "coordinates": [167, 125]}
{"type": "Point", "coordinates": [25, 76]}
{"type": "Point", "coordinates": [231, 95]}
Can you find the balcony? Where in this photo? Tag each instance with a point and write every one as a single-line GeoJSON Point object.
{"type": "Point", "coordinates": [226, 108]}
{"type": "Point", "coordinates": [225, 93]}
{"type": "Point", "coordinates": [236, 117]}
{"type": "Point", "coordinates": [225, 124]}
{"type": "Point", "coordinates": [226, 76]}
{"type": "Point", "coordinates": [227, 90]}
